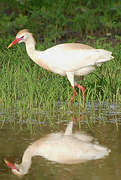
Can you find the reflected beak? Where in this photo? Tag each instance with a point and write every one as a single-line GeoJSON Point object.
{"type": "Point", "coordinates": [14, 42]}
{"type": "Point", "coordinates": [10, 165]}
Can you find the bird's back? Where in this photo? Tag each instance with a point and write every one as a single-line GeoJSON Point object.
{"type": "Point", "coordinates": [70, 46]}
{"type": "Point", "coordinates": [72, 57]}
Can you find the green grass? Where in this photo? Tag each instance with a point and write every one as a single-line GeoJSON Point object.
{"type": "Point", "coordinates": [24, 81]}
{"type": "Point", "coordinates": [26, 84]}
{"type": "Point", "coordinates": [27, 91]}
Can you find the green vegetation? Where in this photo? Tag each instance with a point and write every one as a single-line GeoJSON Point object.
{"type": "Point", "coordinates": [60, 19]}
{"type": "Point", "coordinates": [24, 81]}
{"type": "Point", "coordinates": [96, 23]}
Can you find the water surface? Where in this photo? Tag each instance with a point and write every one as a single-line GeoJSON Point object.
{"type": "Point", "coordinates": [103, 122]}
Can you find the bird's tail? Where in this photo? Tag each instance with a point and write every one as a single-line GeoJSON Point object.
{"type": "Point", "coordinates": [103, 56]}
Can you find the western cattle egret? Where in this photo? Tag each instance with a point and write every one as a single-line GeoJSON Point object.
{"type": "Point", "coordinates": [69, 59]}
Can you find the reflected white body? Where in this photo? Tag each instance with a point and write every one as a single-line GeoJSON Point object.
{"type": "Point", "coordinates": [67, 148]}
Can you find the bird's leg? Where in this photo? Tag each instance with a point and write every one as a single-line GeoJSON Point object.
{"type": "Point", "coordinates": [74, 94]}
{"type": "Point", "coordinates": [82, 89]}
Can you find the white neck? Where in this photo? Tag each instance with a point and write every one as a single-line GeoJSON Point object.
{"type": "Point", "coordinates": [30, 48]}
{"type": "Point", "coordinates": [26, 161]}
{"type": "Point", "coordinates": [35, 55]}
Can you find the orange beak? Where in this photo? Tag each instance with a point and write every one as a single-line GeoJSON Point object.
{"type": "Point", "coordinates": [14, 42]}
{"type": "Point", "coordinates": [11, 165]}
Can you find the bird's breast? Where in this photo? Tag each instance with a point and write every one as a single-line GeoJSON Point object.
{"type": "Point", "coordinates": [43, 64]}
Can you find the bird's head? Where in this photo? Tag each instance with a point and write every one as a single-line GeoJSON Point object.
{"type": "Point", "coordinates": [21, 36]}
{"type": "Point", "coordinates": [15, 170]}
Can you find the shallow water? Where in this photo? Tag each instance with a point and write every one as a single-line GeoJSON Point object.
{"type": "Point", "coordinates": [103, 122]}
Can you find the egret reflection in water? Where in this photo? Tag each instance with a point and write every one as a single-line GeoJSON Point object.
{"type": "Point", "coordinates": [61, 147]}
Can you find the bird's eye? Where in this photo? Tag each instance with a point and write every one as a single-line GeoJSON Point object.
{"type": "Point", "coordinates": [22, 37]}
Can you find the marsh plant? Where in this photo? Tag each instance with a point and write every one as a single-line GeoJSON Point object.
{"type": "Point", "coordinates": [95, 23]}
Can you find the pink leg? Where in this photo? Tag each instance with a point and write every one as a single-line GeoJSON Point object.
{"type": "Point", "coordinates": [82, 89]}
{"type": "Point", "coordinates": [74, 94]}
